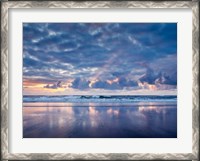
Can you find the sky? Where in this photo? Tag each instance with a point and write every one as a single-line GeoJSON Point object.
{"type": "Point", "coordinates": [99, 58]}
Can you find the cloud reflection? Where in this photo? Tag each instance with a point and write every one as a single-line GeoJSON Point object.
{"type": "Point", "coordinates": [93, 114]}
{"type": "Point", "coordinates": [111, 111]}
{"type": "Point", "coordinates": [92, 121]}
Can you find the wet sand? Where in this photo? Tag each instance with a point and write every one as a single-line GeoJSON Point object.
{"type": "Point", "coordinates": [93, 120]}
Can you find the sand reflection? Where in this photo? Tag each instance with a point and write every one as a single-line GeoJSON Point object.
{"type": "Point", "coordinates": [150, 108]}
{"type": "Point", "coordinates": [93, 115]}
{"type": "Point", "coordinates": [111, 111]}
{"type": "Point", "coordinates": [95, 121]}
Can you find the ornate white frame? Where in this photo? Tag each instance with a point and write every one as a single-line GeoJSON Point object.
{"type": "Point", "coordinates": [98, 4]}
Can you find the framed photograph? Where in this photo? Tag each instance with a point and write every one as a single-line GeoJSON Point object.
{"type": "Point", "coordinates": [99, 80]}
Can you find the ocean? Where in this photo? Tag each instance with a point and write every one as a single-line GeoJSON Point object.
{"type": "Point", "coordinates": [99, 116]}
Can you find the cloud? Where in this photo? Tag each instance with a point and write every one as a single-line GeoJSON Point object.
{"type": "Point", "coordinates": [79, 83]}
{"type": "Point", "coordinates": [105, 85]}
{"type": "Point", "coordinates": [114, 84]}
{"type": "Point", "coordinates": [55, 85]}
{"type": "Point", "coordinates": [149, 76]}
{"type": "Point", "coordinates": [162, 80]}
{"type": "Point", "coordinates": [103, 51]}
{"type": "Point", "coordinates": [166, 79]}
{"type": "Point", "coordinates": [123, 82]}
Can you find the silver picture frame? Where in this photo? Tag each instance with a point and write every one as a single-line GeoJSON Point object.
{"type": "Point", "coordinates": [6, 5]}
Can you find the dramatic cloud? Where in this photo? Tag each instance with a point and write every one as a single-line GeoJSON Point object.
{"type": "Point", "coordinates": [79, 83]}
{"type": "Point", "coordinates": [54, 86]}
{"type": "Point", "coordinates": [107, 56]}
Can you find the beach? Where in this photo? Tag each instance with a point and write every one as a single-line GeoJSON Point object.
{"type": "Point", "coordinates": [104, 119]}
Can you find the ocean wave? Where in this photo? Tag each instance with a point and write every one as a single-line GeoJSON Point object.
{"type": "Point", "coordinates": [99, 98]}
